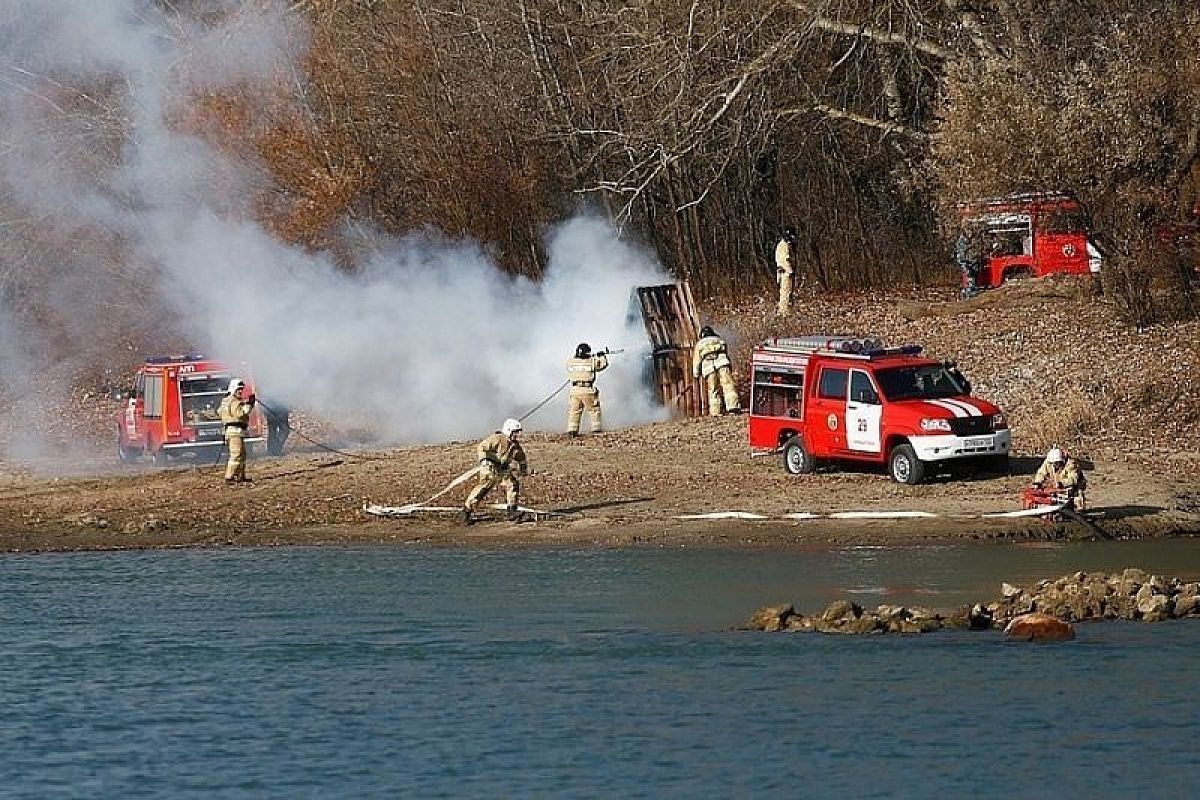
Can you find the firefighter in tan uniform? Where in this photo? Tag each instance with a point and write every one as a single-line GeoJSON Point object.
{"type": "Point", "coordinates": [1060, 473]}
{"type": "Point", "coordinates": [581, 371]}
{"type": "Point", "coordinates": [501, 461]}
{"type": "Point", "coordinates": [785, 269]}
{"type": "Point", "coordinates": [711, 359]}
{"type": "Point", "coordinates": [235, 413]}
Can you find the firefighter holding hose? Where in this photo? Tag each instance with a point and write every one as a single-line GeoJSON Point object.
{"type": "Point", "coordinates": [1061, 474]}
{"type": "Point", "coordinates": [502, 461]}
{"type": "Point", "coordinates": [581, 371]}
{"type": "Point", "coordinates": [235, 413]}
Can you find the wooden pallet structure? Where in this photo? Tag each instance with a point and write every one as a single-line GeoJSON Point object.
{"type": "Point", "coordinates": [669, 313]}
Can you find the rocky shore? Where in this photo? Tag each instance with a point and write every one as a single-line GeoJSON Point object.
{"type": "Point", "coordinates": [1045, 611]}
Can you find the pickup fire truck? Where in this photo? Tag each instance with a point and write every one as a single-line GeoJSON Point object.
{"type": "Point", "coordinates": [171, 409]}
{"type": "Point", "coordinates": [821, 399]}
{"type": "Point", "coordinates": [1031, 234]}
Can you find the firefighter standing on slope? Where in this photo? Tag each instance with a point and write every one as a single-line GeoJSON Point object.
{"type": "Point", "coordinates": [1060, 473]}
{"type": "Point", "coordinates": [581, 371]}
{"type": "Point", "coordinates": [968, 254]}
{"type": "Point", "coordinates": [710, 358]}
{"type": "Point", "coordinates": [785, 269]}
{"type": "Point", "coordinates": [501, 461]}
{"type": "Point", "coordinates": [235, 413]}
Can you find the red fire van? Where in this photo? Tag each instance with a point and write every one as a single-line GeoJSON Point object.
{"type": "Point", "coordinates": [825, 399]}
{"type": "Point", "coordinates": [171, 409]}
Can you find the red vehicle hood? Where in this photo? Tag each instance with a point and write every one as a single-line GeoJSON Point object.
{"type": "Point", "coordinates": [949, 408]}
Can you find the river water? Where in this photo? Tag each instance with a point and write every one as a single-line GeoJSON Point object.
{"type": "Point", "coordinates": [394, 672]}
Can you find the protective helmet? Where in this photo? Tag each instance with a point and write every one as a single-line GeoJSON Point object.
{"type": "Point", "coordinates": [510, 427]}
{"type": "Point", "coordinates": [584, 350]}
{"type": "Point", "coordinates": [1055, 455]}
{"type": "Point", "coordinates": [789, 232]}
{"type": "Point", "coordinates": [235, 384]}
{"type": "Point", "coordinates": [707, 331]}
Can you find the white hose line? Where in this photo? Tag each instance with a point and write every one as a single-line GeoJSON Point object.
{"type": "Point", "coordinates": [393, 511]}
{"type": "Point", "coordinates": [867, 515]}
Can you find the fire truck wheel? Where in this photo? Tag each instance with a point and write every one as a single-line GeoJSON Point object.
{"type": "Point", "coordinates": [796, 458]}
{"type": "Point", "coordinates": [905, 466]}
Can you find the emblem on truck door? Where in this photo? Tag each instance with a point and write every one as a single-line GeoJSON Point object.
{"type": "Point", "coordinates": [831, 421]}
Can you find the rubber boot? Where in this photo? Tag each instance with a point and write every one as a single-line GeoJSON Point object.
{"type": "Point", "coordinates": [468, 517]}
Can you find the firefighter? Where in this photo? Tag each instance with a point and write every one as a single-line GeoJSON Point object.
{"type": "Point", "coordinates": [968, 254]}
{"type": "Point", "coordinates": [581, 371]}
{"type": "Point", "coordinates": [785, 269]}
{"type": "Point", "coordinates": [501, 461]}
{"type": "Point", "coordinates": [279, 427]}
{"type": "Point", "coordinates": [710, 358]}
{"type": "Point", "coordinates": [235, 413]}
{"type": "Point", "coordinates": [1061, 473]}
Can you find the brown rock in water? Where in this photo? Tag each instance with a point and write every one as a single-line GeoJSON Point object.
{"type": "Point", "coordinates": [1037, 627]}
{"type": "Point", "coordinates": [770, 618]}
{"type": "Point", "coordinates": [840, 610]}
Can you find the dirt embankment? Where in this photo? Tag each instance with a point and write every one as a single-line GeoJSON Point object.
{"type": "Point", "coordinates": [1052, 356]}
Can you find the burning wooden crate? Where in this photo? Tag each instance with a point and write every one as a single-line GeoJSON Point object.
{"type": "Point", "coordinates": [669, 313]}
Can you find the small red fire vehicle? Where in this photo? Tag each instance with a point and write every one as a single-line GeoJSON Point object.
{"type": "Point", "coordinates": [1031, 235]}
{"type": "Point", "coordinates": [171, 409]}
{"type": "Point", "coordinates": [820, 398]}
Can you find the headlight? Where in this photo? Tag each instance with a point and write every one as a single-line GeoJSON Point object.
{"type": "Point", "coordinates": [999, 423]}
{"type": "Point", "coordinates": [942, 425]}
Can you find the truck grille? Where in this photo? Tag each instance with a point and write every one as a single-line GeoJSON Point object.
{"type": "Point", "coordinates": [971, 426]}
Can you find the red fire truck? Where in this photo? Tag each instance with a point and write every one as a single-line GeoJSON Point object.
{"type": "Point", "coordinates": [171, 409]}
{"type": "Point", "coordinates": [1031, 235]}
{"type": "Point", "coordinates": [819, 399]}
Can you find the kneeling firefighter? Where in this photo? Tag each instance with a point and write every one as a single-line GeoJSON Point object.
{"type": "Point", "coordinates": [1061, 474]}
{"type": "Point", "coordinates": [710, 358]}
{"type": "Point", "coordinates": [581, 371]}
{"type": "Point", "coordinates": [501, 461]}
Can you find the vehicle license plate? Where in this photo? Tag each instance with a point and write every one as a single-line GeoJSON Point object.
{"type": "Point", "coordinates": [978, 442]}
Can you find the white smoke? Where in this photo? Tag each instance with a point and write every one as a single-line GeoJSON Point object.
{"type": "Point", "coordinates": [427, 339]}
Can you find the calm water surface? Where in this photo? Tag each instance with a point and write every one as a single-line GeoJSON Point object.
{"type": "Point", "coordinates": [411, 672]}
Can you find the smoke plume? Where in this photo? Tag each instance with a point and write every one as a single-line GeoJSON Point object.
{"type": "Point", "coordinates": [124, 232]}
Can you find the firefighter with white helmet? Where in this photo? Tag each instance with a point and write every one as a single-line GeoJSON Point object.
{"type": "Point", "coordinates": [710, 359]}
{"type": "Point", "coordinates": [501, 461]}
{"type": "Point", "coordinates": [1061, 473]}
{"type": "Point", "coordinates": [785, 268]}
{"type": "Point", "coordinates": [235, 413]}
{"type": "Point", "coordinates": [581, 371]}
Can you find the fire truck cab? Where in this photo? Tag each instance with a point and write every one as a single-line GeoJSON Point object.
{"type": "Point", "coordinates": [1032, 234]}
{"type": "Point", "coordinates": [171, 409]}
{"type": "Point", "coordinates": [821, 399]}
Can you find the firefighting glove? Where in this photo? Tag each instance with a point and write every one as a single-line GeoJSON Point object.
{"type": "Point", "coordinates": [252, 399]}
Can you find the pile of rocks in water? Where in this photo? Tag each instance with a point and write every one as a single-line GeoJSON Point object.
{"type": "Point", "coordinates": [1043, 611]}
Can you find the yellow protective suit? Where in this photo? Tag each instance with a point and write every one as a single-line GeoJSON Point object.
{"type": "Point", "coordinates": [235, 413]}
{"type": "Point", "coordinates": [784, 271]}
{"type": "Point", "coordinates": [584, 394]}
{"type": "Point", "coordinates": [1068, 478]}
{"type": "Point", "coordinates": [711, 359]}
{"type": "Point", "coordinates": [503, 461]}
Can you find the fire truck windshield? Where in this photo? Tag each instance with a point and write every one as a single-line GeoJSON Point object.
{"type": "Point", "coordinates": [925, 382]}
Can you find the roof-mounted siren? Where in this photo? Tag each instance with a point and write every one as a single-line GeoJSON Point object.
{"type": "Point", "coordinates": [847, 344]}
{"type": "Point", "coordinates": [837, 343]}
